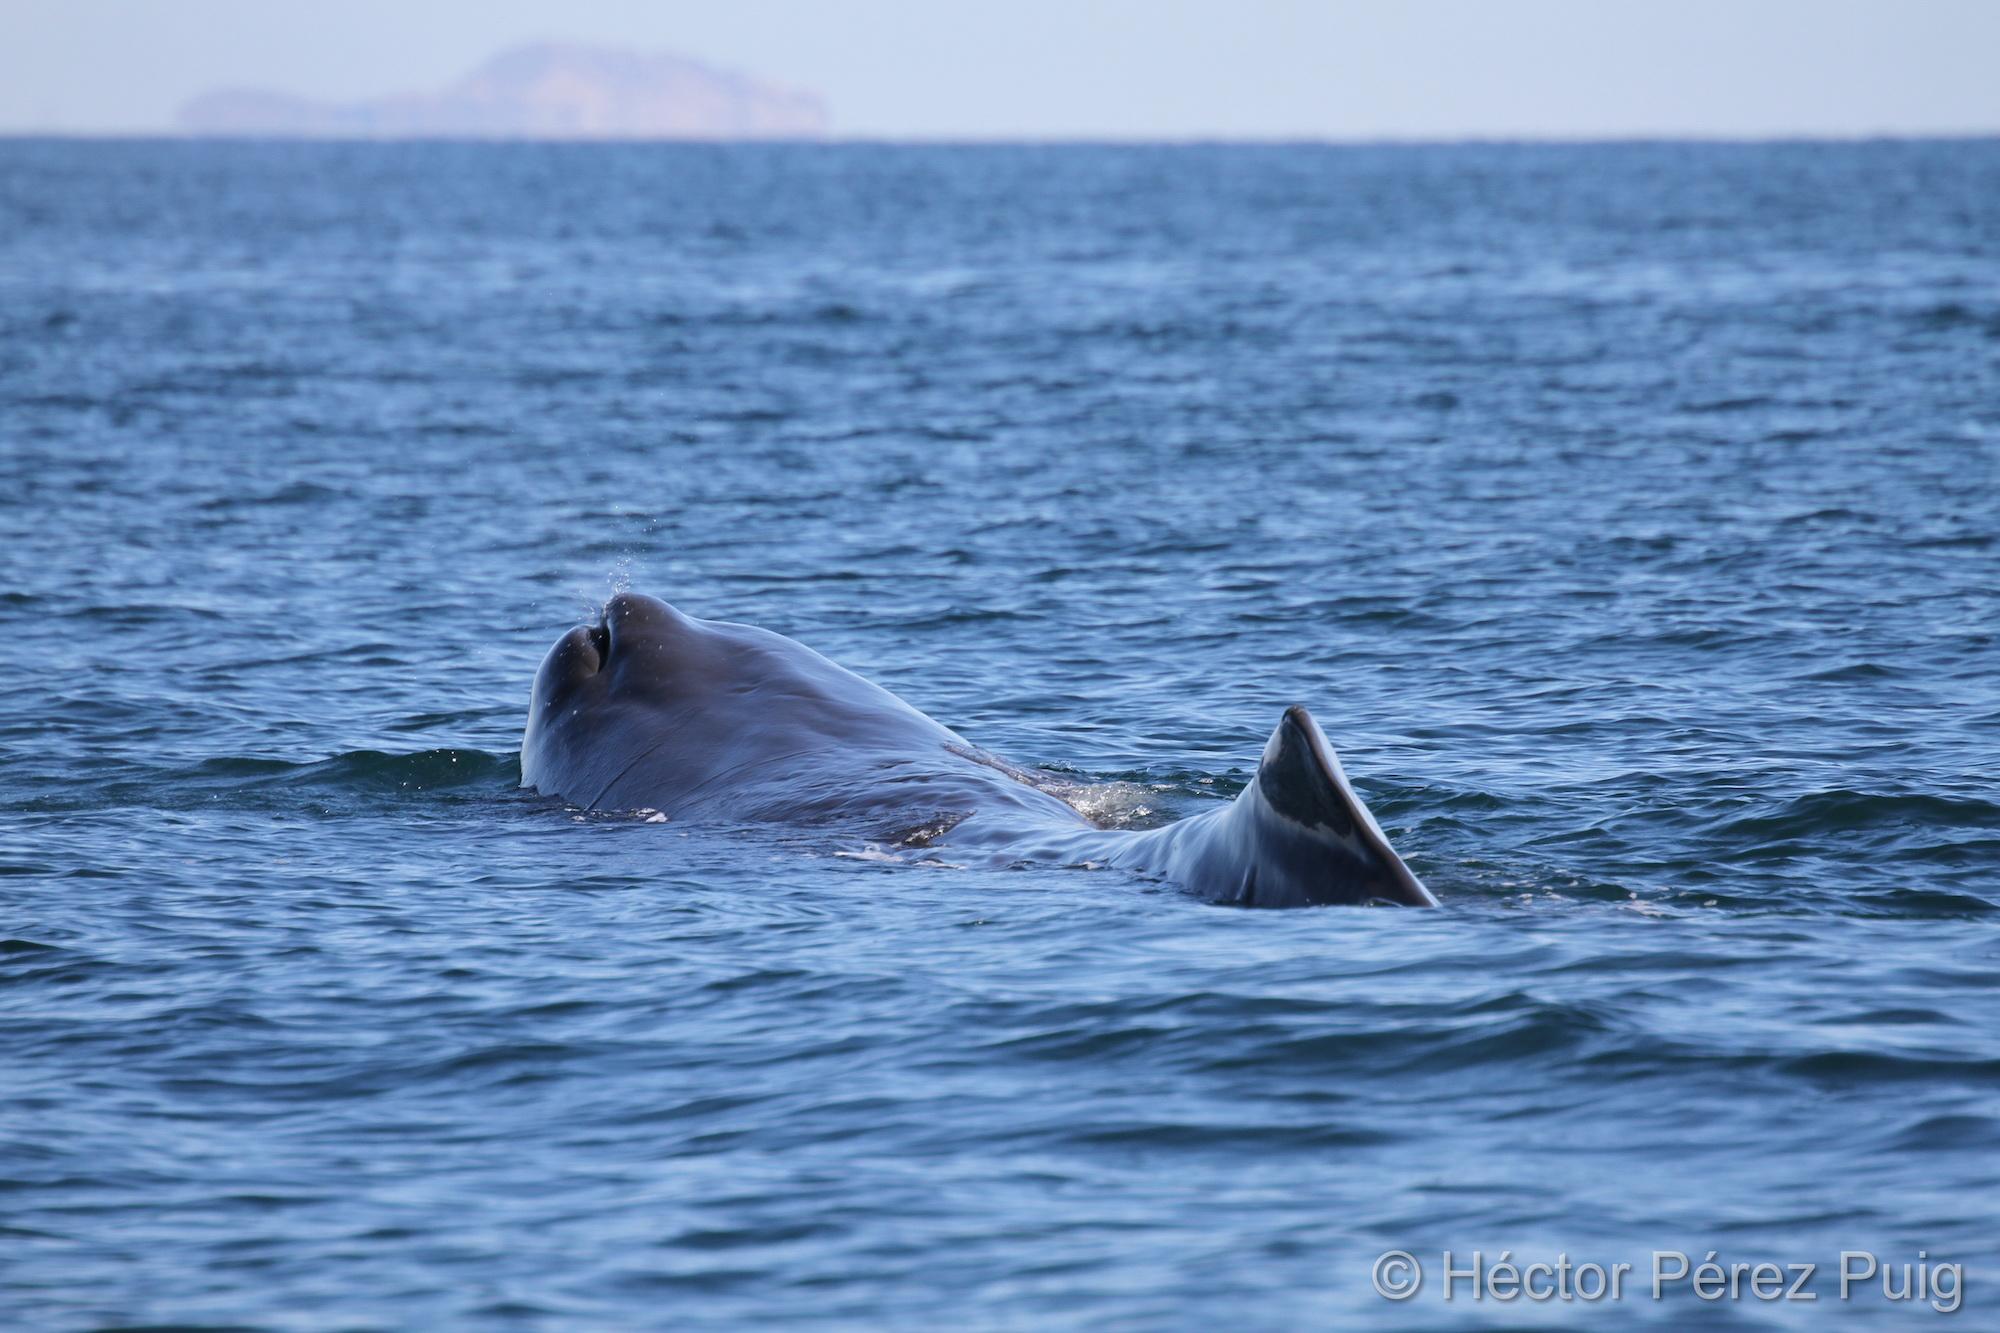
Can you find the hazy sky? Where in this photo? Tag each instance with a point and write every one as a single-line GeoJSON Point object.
{"type": "Point", "coordinates": [1087, 68]}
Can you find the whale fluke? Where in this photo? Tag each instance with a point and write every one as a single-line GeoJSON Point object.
{"type": "Point", "coordinates": [1334, 849]}
{"type": "Point", "coordinates": [1299, 835]}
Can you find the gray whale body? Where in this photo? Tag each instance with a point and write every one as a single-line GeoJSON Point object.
{"type": "Point", "coordinates": [706, 720]}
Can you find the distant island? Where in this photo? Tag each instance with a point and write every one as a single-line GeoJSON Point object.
{"type": "Point", "coordinates": [547, 91]}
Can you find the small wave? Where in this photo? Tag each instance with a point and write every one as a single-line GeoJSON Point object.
{"type": "Point", "coordinates": [1948, 1133]}
{"type": "Point", "coordinates": [1842, 810]}
{"type": "Point", "coordinates": [1924, 902]}
{"type": "Point", "coordinates": [1854, 671]}
{"type": "Point", "coordinates": [370, 770]}
{"type": "Point", "coordinates": [140, 614]}
{"type": "Point", "coordinates": [296, 493]}
{"type": "Point", "coordinates": [13, 948]}
{"type": "Point", "coordinates": [1248, 1137]}
{"type": "Point", "coordinates": [1948, 315]}
{"type": "Point", "coordinates": [1833, 514]}
{"type": "Point", "coordinates": [30, 963]}
{"type": "Point", "coordinates": [1727, 405]}
{"type": "Point", "coordinates": [347, 781]}
{"type": "Point", "coordinates": [1867, 1069]}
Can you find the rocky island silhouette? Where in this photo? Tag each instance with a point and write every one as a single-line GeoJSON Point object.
{"type": "Point", "coordinates": [544, 91]}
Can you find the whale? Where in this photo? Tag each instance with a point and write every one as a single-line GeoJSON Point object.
{"type": "Point", "coordinates": [707, 721]}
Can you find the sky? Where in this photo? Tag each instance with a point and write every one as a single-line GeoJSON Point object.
{"type": "Point", "coordinates": [1089, 69]}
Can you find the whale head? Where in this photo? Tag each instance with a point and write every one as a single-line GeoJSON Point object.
{"type": "Point", "coordinates": [610, 692]}
{"type": "Point", "coordinates": [649, 707]}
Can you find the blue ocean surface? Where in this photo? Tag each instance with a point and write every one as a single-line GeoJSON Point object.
{"type": "Point", "coordinates": [1628, 515]}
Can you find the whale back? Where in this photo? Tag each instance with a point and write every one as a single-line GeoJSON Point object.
{"type": "Point", "coordinates": [650, 708]}
{"type": "Point", "coordinates": [701, 719]}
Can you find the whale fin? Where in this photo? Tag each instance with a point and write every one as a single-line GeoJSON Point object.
{"type": "Point", "coordinates": [1309, 835]}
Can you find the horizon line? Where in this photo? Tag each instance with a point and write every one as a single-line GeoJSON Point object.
{"type": "Point", "coordinates": [1080, 140]}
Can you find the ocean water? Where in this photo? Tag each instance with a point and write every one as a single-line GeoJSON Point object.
{"type": "Point", "coordinates": [1626, 514]}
